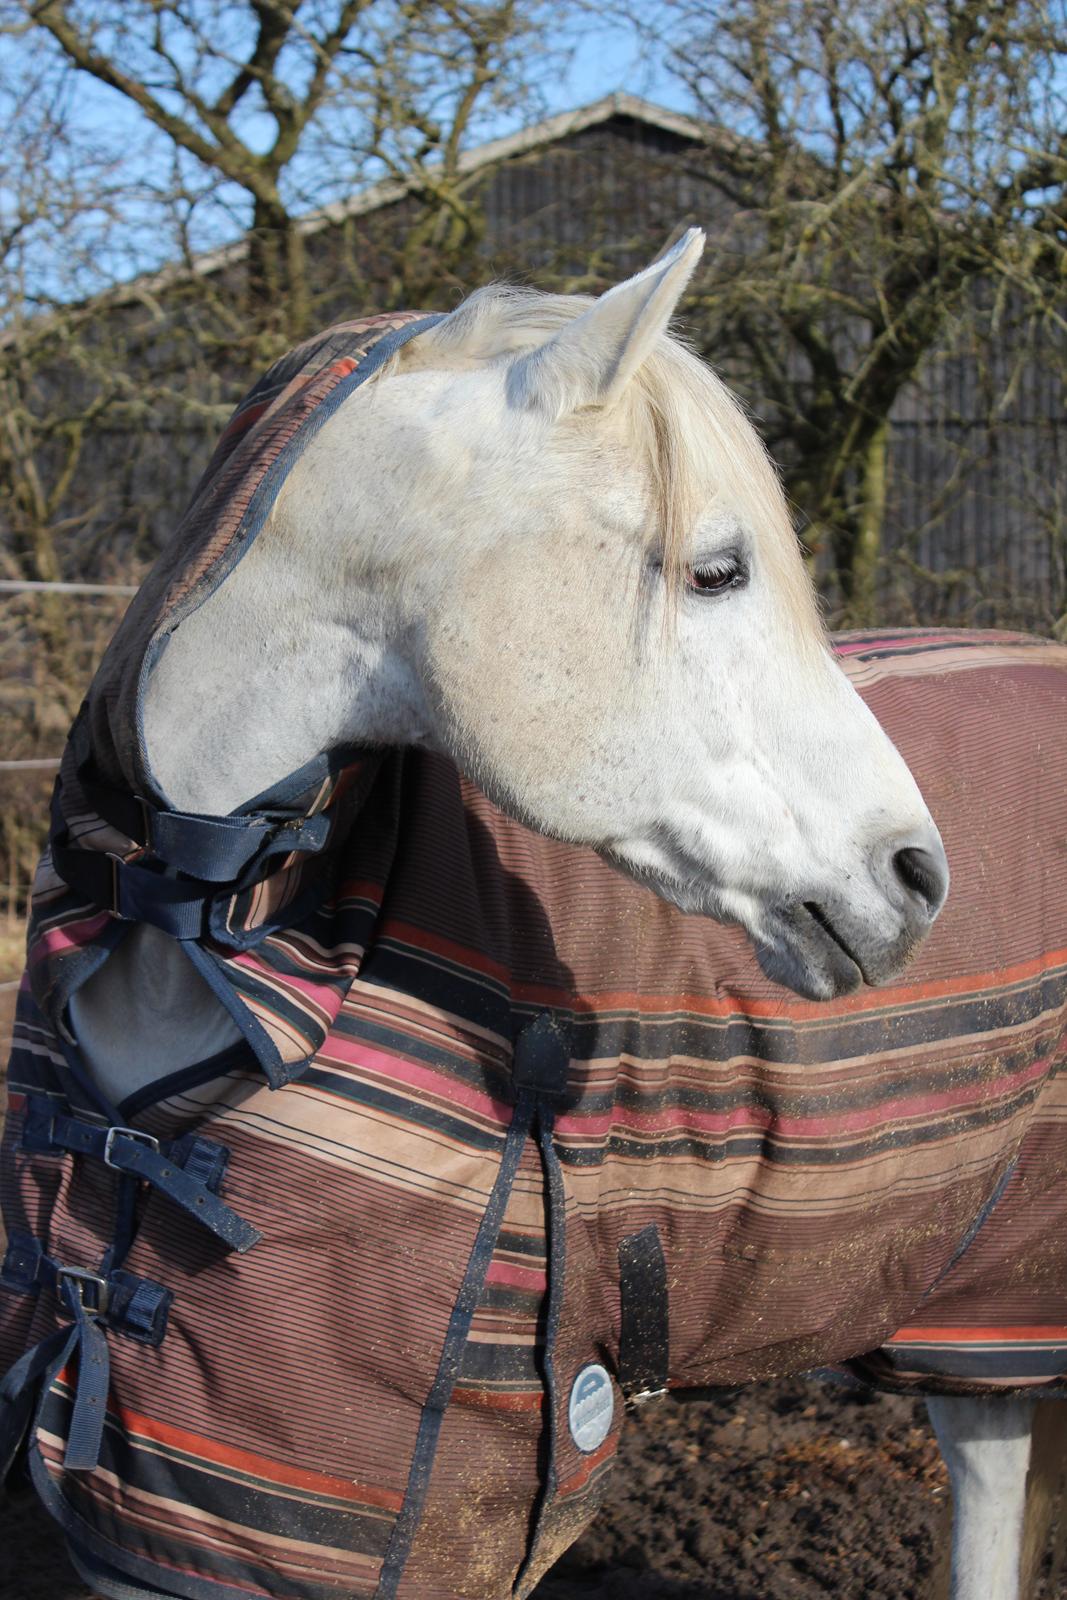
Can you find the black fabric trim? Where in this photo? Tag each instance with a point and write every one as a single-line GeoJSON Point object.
{"type": "Point", "coordinates": [235, 1055]}
{"type": "Point", "coordinates": [108, 1581]}
{"type": "Point", "coordinates": [644, 1338]}
{"type": "Point", "coordinates": [212, 969]}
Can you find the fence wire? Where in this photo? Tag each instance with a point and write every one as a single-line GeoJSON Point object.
{"type": "Point", "coordinates": [25, 586]}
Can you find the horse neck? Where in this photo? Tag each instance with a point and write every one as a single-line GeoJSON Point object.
{"type": "Point", "coordinates": [281, 664]}
{"type": "Point", "coordinates": [290, 657]}
{"type": "Point", "coordinates": [252, 686]}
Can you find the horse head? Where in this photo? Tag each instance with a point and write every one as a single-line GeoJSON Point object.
{"type": "Point", "coordinates": [545, 540]}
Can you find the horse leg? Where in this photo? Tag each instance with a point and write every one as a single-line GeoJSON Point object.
{"type": "Point", "coordinates": [986, 1446]}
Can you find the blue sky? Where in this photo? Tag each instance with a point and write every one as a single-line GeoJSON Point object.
{"type": "Point", "coordinates": [609, 60]}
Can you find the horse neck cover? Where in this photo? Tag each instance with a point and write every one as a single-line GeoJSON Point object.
{"type": "Point", "coordinates": [355, 1309]}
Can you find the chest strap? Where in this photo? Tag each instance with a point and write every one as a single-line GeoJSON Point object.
{"type": "Point", "coordinates": [179, 907]}
{"type": "Point", "coordinates": [218, 850]}
{"type": "Point", "coordinates": [135, 1307]}
{"type": "Point", "coordinates": [188, 1171]}
{"type": "Point", "coordinates": [144, 888]}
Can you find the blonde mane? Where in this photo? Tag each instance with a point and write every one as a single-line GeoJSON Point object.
{"type": "Point", "coordinates": [701, 449]}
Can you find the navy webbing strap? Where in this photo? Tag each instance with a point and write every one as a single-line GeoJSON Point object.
{"type": "Point", "coordinates": [18, 1389]}
{"type": "Point", "coordinates": [556, 1240]}
{"type": "Point", "coordinates": [91, 1385]}
{"type": "Point", "coordinates": [137, 1307]}
{"type": "Point", "coordinates": [542, 1056]}
{"type": "Point", "coordinates": [134, 1306]}
{"type": "Point", "coordinates": [214, 857]}
{"type": "Point", "coordinates": [217, 849]}
{"type": "Point", "coordinates": [433, 1411]}
{"type": "Point", "coordinates": [644, 1339]}
{"type": "Point", "coordinates": [134, 893]}
{"type": "Point", "coordinates": [188, 1171]}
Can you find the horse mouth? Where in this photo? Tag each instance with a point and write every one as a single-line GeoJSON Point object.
{"type": "Point", "coordinates": [821, 920]}
{"type": "Point", "coordinates": [805, 951]}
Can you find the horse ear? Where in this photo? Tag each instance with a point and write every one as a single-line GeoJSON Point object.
{"type": "Point", "coordinates": [592, 359]}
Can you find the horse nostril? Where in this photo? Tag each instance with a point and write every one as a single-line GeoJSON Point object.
{"type": "Point", "coordinates": [923, 874]}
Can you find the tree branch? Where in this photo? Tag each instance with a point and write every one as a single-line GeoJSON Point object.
{"type": "Point", "coordinates": [232, 160]}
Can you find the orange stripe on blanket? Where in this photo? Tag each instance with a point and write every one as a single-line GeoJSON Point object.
{"type": "Point", "coordinates": [246, 1461]}
{"type": "Point", "coordinates": [789, 1009]}
{"type": "Point", "coordinates": [1025, 1334]}
{"type": "Point", "coordinates": [579, 1479]}
{"type": "Point", "coordinates": [486, 1400]}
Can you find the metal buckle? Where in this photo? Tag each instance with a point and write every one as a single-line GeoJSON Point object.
{"type": "Point", "coordinates": [146, 821]}
{"type": "Point", "coordinates": [116, 863]}
{"type": "Point", "coordinates": [643, 1396]}
{"type": "Point", "coordinates": [81, 1279]}
{"type": "Point", "coordinates": [129, 1133]}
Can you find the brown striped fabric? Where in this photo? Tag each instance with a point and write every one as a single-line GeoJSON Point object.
{"type": "Point", "coordinates": [376, 1397]}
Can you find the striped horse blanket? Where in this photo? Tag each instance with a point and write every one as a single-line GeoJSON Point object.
{"type": "Point", "coordinates": [509, 1143]}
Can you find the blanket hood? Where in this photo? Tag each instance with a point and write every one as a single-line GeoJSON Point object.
{"type": "Point", "coordinates": [231, 882]}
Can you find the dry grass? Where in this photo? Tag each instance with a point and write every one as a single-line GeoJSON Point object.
{"type": "Point", "coordinates": [12, 956]}
{"type": "Point", "coordinates": [12, 948]}
{"type": "Point", "coordinates": [49, 647]}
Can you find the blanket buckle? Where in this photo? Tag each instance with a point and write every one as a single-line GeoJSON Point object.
{"type": "Point", "coordinates": [80, 1281]}
{"type": "Point", "coordinates": [116, 864]}
{"type": "Point", "coordinates": [116, 1132]}
{"type": "Point", "coordinates": [643, 1396]}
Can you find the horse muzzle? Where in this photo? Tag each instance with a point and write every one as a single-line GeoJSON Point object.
{"type": "Point", "coordinates": [832, 943]}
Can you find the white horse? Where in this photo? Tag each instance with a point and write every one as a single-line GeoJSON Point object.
{"type": "Point", "coordinates": [570, 568]}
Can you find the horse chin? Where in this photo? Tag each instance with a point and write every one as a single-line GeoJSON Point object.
{"type": "Point", "coordinates": [822, 955]}
{"type": "Point", "coordinates": [821, 973]}
{"type": "Point", "coordinates": [818, 954]}
{"type": "Point", "coordinates": [695, 897]}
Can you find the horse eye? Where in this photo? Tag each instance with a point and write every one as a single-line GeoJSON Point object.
{"type": "Point", "coordinates": [715, 577]}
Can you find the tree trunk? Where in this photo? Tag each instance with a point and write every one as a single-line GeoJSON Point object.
{"type": "Point", "coordinates": [858, 542]}
{"type": "Point", "coordinates": [278, 292]}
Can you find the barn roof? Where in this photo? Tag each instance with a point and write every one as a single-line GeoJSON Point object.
{"type": "Point", "coordinates": [549, 131]}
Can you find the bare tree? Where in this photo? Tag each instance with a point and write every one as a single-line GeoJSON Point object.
{"type": "Point", "coordinates": [55, 213]}
{"type": "Point", "coordinates": [290, 102]}
{"type": "Point", "coordinates": [883, 159]}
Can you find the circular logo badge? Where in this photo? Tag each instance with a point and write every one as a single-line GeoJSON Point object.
{"type": "Point", "coordinates": [592, 1406]}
